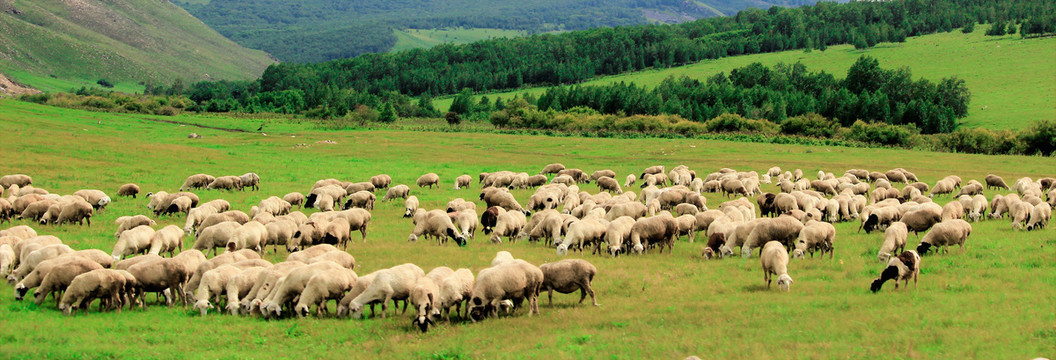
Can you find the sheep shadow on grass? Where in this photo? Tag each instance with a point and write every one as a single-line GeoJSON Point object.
{"type": "Point", "coordinates": [757, 287]}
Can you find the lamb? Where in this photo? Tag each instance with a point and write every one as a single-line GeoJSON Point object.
{"type": "Point", "coordinates": [569, 275]}
{"type": "Point", "coordinates": [775, 262]}
{"type": "Point", "coordinates": [103, 284]}
{"type": "Point", "coordinates": [661, 230]}
{"type": "Point", "coordinates": [815, 235]}
{"type": "Point", "coordinates": [423, 297]}
{"type": "Point", "coordinates": [515, 280]}
{"type": "Point", "coordinates": [394, 283]}
{"type": "Point", "coordinates": [580, 233]}
{"type": "Point", "coordinates": [879, 218]}
{"type": "Point", "coordinates": [168, 239]}
{"type": "Point", "coordinates": [903, 267]}
{"type": "Point", "coordinates": [59, 278]}
{"type": "Point", "coordinates": [398, 191]}
{"type": "Point", "coordinates": [410, 206]}
{"type": "Point", "coordinates": [510, 225]}
{"type": "Point", "coordinates": [783, 229]}
{"type": "Point", "coordinates": [436, 223]}
{"type": "Point", "coordinates": [325, 285]}
{"type": "Point", "coordinates": [945, 234]}
{"type": "Point", "coordinates": [128, 190]}
{"type": "Point", "coordinates": [134, 241]}
{"type": "Point", "coordinates": [216, 236]}
{"type": "Point", "coordinates": [1039, 216]}
{"type": "Point", "coordinates": [428, 180]}
{"type": "Point", "coordinates": [995, 182]}
{"type": "Point", "coordinates": [609, 184]}
{"type": "Point", "coordinates": [197, 181]}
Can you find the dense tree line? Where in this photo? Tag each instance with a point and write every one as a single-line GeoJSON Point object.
{"type": "Point", "coordinates": [552, 59]}
{"type": "Point", "coordinates": [755, 91]}
{"type": "Point", "coordinates": [320, 30]}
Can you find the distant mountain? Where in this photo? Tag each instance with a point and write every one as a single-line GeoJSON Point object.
{"type": "Point", "coordinates": [320, 30]}
{"type": "Point", "coordinates": [54, 43]}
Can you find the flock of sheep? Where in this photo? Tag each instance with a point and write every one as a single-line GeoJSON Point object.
{"type": "Point", "coordinates": [792, 223]}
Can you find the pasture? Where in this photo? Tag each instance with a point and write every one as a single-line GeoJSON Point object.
{"type": "Point", "coordinates": [1011, 79]}
{"type": "Point", "coordinates": [995, 299]}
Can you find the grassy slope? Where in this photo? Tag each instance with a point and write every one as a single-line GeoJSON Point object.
{"type": "Point", "coordinates": [1013, 81]}
{"type": "Point", "coordinates": [416, 38]}
{"type": "Point", "coordinates": [56, 45]}
{"type": "Point", "coordinates": [994, 300]}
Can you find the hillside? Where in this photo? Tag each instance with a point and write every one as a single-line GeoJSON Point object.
{"type": "Point", "coordinates": [1012, 80]}
{"type": "Point", "coordinates": [320, 30]}
{"type": "Point", "coordinates": [59, 44]}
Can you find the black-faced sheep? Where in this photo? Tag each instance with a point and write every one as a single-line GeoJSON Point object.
{"type": "Point", "coordinates": [815, 235]}
{"type": "Point", "coordinates": [1039, 216]}
{"type": "Point", "coordinates": [774, 259]}
{"type": "Point", "coordinates": [945, 234]}
{"type": "Point", "coordinates": [362, 199]}
{"type": "Point", "coordinates": [903, 267]}
{"type": "Point", "coordinates": [567, 276]}
{"type": "Point", "coordinates": [423, 297]}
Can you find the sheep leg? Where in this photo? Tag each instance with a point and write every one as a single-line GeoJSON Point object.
{"type": "Point", "coordinates": [550, 294]}
{"type": "Point", "coordinates": [766, 277]}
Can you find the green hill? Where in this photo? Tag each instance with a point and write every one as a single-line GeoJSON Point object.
{"type": "Point", "coordinates": [55, 45]}
{"type": "Point", "coordinates": [1012, 80]}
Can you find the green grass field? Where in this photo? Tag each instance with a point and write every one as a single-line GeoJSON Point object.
{"type": "Point", "coordinates": [993, 300]}
{"type": "Point", "coordinates": [407, 39]}
{"type": "Point", "coordinates": [54, 46]}
{"type": "Point", "coordinates": [1012, 80]}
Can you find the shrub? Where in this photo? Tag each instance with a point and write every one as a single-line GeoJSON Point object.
{"type": "Point", "coordinates": [98, 103]}
{"type": "Point", "coordinates": [968, 27]}
{"type": "Point", "coordinates": [499, 118]}
{"type": "Point", "coordinates": [1039, 138]}
{"type": "Point", "coordinates": [736, 123]}
{"type": "Point", "coordinates": [167, 111]}
{"type": "Point", "coordinates": [883, 134]}
{"type": "Point", "coordinates": [452, 118]}
{"type": "Point", "coordinates": [105, 83]}
{"type": "Point", "coordinates": [812, 125]}
{"type": "Point", "coordinates": [364, 114]}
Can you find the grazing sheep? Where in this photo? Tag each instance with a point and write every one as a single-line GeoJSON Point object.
{"type": "Point", "coordinates": [74, 211]}
{"type": "Point", "coordinates": [104, 284]}
{"type": "Point", "coordinates": [394, 284]}
{"type": "Point", "coordinates": [251, 235]}
{"type": "Point", "coordinates": [294, 199]}
{"type": "Point", "coordinates": [661, 230]}
{"type": "Point", "coordinates": [609, 184]}
{"type": "Point", "coordinates": [359, 186]}
{"type": "Point", "coordinates": [456, 289]}
{"type": "Point", "coordinates": [32, 256]}
{"type": "Point", "coordinates": [22, 180]}
{"type": "Point", "coordinates": [134, 241]}
{"type": "Point", "coordinates": [428, 180]}
{"type": "Point", "coordinates": [580, 233]}
{"type": "Point", "coordinates": [815, 235]}
{"type": "Point", "coordinates": [325, 285]}
{"type": "Point", "coordinates": [410, 206]}
{"type": "Point", "coordinates": [686, 209]}
{"type": "Point", "coordinates": [197, 181]}
{"type": "Point", "coordinates": [509, 224]}
{"type": "Point", "coordinates": [423, 297]}
{"type": "Point", "coordinates": [1039, 216]}
{"type": "Point", "coordinates": [438, 224]}
{"type": "Point", "coordinates": [945, 234]}
{"type": "Point", "coordinates": [505, 200]}
{"type": "Point", "coordinates": [127, 263]}
{"type": "Point", "coordinates": [567, 276]}
{"type": "Point", "coordinates": [36, 277]}
{"type": "Point", "coordinates": [995, 182]}
{"type": "Point", "coordinates": [264, 284]}
{"type": "Point", "coordinates": [20, 231]}
{"type": "Point", "coordinates": [783, 229]}
{"type": "Point", "coordinates": [463, 181]}
{"type": "Point", "coordinates": [250, 180]}
{"type": "Point", "coordinates": [515, 280]}
{"type": "Point", "coordinates": [970, 189]}
{"type": "Point", "coordinates": [903, 267]}
{"type": "Point", "coordinates": [398, 191]}
{"type": "Point", "coordinates": [97, 198]}
{"type": "Point", "coordinates": [922, 217]}
{"type": "Point", "coordinates": [552, 169]}
{"type": "Point", "coordinates": [879, 218]}
{"type": "Point", "coordinates": [953, 210]}
{"type": "Point", "coordinates": [7, 259]}
{"type": "Point", "coordinates": [279, 233]}
{"type": "Point", "coordinates": [213, 285]}
{"type": "Point", "coordinates": [577, 175]}
{"type": "Point", "coordinates": [466, 221]}
{"type": "Point", "coordinates": [229, 182]}
{"type": "Point", "coordinates": [292, 285]}
{"type": "Point", "coordinates": [774, 259]}
{"type": "Point", "coordinates": [59, 278]}
{"type": "Point", "coordinates": [216, 236]}
{"type": "Point", "coordinates": [168, 239]}
{"type": "Point", "coordinates": [634, 210]}
{"type": "Point", "coordinates": [361, 199]}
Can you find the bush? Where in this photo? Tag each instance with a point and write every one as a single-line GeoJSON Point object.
{"type": "Point", "coordinates": [812, 125]}
{"type": "Point", "coordinates": [736, 123]}
{"type": "Point", "coordinates": [98, 103]}
{"type": "Point", "coordinates": [499, 118]}
{"type": "Point", "coordinates": [979, 141]}
{"type": "Point", "coordinates": [364, 114]}
{"type": "Point", "coordinates": [969, 27]}
{"type": "Point", "coordinates": [167, 111]}
{"type": "Point", "coordinates": [883, 134]}
{"type": "Point", "coordinates": [41, 98]}
{"type": "Point", "coordinates": [1039, 138]}
{"type": "Point", "coordinates": [452, 118]}
{"type": "Point", "coordinates": [105, 83]}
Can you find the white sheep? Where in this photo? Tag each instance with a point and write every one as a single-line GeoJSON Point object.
{"type": "Point", "coordinates": [394, 283]}
{"type": "Point", "coordinates": [775, 262]}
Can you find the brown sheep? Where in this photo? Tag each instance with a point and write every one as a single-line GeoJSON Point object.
{"type": "Point", "coordinates": [398, 191]}
{"type": "Point", "coordinates": [295, 199]}
{"type": "Point", "coordinates": [567, 276]}
{"type": "Point", "coordinates": [609, 184]}
{"type": "Point", "coordinates": [515, 280]}
{"type": "Point", "coordinates": [552, 169]}
{"type": "Point", "coordinates": [381, 181]}
{"type": "Point", "coordinates": [661, 230]}
{"type": "Point", "coordinates": [197, 181]}
{"type": "Point", "coordinates": [128, 190]}
{"type": "Point", "coordinates": [229, 182]}
{"type": "Point", "coordinates": [428, 180]}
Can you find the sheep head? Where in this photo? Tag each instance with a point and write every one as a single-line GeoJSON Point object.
{"type": "Point", "coordinates": [20, 291]}
{"type": "Point", "coordinates": [562, 249]}
{"type": "Point", "coordinates": [798, 254]}
{"type": "Point", "coordinates": [66, 309]}
{"type": "Point", "coordinates": [422, 322]}
{"type": "Point", "coordinates": [923, 248]}
{"type": "Point", "coordinates": [302, 310]}
{"type": "Point", "coordinates": [708, 253]}
{"type": "Point", "coordinates": [784, 282]}
{"type": "Point", "coordinates": [203, 306]}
